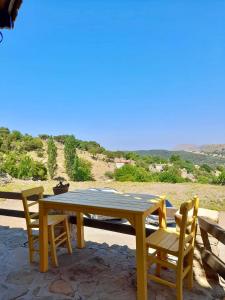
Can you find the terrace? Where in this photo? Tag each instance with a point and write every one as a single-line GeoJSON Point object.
{"type": "Point", "coordinates": [104, 269]}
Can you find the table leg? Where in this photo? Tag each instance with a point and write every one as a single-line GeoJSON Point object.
{"type": "Point", "coordinates": [162, 214]}
{"type": "Point", "coordinates": [141, 258]}
{"type": "Point", "coordinates": [43, 238]}
{"type": "Point", "coordinates": [162, 224]}
{"type": "Point", "coordinates": [80, 231]}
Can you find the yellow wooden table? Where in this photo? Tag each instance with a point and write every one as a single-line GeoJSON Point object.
{"type": "Point", "coordinates": [135, 208]}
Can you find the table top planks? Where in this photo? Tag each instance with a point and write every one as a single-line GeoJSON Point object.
{"type": "Point", "coordinates": [106, 200]}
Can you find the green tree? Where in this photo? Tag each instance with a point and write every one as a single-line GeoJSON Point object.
{"type": "Point", "coordinates": [175, 158]}
{"type": "Point", "coordinates": [206, 168]}
{"type": "Point", "coordinates": [82, 170]}
{"type": "Point", "coordinates": [132, 173]}
{"type": "Point", "coordinates": [172, 175]}
{"type": "Point", "coordinates": [221, 179]}
{"type": "Point", "coordinates": [4, 131]}
{"type": "Point", "coordinates": [23, 167]}
{"type": "Point", "coordinates": [52, 155]}
{"type": "Point", "coordinates": [70, 156]}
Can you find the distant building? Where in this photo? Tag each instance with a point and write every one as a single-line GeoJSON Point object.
{"type": "Point", "coordinates": [157, 168]}
{"type": "Point", "coordinates": [121, 162]}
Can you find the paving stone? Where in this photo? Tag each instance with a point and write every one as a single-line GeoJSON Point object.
{"type": "Point", "coordinates": [97, 272]}
{"type": "Point", "coordinates": [61, 287]}
{"type": "Point", "coordinates": [20, 277]}
{"type": "Point", "coordinates": [13, 293]}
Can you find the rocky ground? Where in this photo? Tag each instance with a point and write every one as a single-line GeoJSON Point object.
{"type": "Point", "coordinates": [99, 272]}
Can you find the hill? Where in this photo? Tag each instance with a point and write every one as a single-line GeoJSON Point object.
{"type": "Point", "coordinates": [195, 158]}
{"type": "Point", "coordinates": [218, 149]}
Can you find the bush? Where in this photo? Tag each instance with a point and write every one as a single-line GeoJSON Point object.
{"type": "Point", "coordinates": [23, 167]}
{"type": "Point", "coordinates": [203, 179]}
{"type": "Point", "coordinates": [221, 179]}
{"type": "Point", "coordinates": [52, 154]}
{"type": "Point", "coordinates": [44, 136]}
{"type": "Point", "coordinates": [10, 164]}
{"type": "Point", "coordinates": [70, 156]}
{"type": "Point", "coordinates": [175, 158]}
{"type": "Point", "coordinates": [172, 175]}
{"type": "Point", "coordinates": [82, 170]}
{"type": "Point", "coordinates": [4, 131]}
{"type": "Point", "coordinates": [206, 168]}
{"type": "Point", "coordinates": [62, 138]}
{"type": "Point", "coordinates": [40, 153]}
{"type": "Point", "coordinates": [31, 144]}
{"type": "Point", "coordinates": [132, 173]}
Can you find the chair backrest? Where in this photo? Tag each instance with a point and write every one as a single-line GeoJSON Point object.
{"type": "Point", "coordinates": [33, 194]}
{"type": "Point", "coordinates": [188, 222]}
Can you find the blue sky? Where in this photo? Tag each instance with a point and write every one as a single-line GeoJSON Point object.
{"type": "Point", "coordinates": [128, 74]}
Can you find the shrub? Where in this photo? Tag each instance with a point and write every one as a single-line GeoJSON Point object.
{"type": "Point", "coordinates": [203, 179]}
{"type": "Point", "coordinates": [132, 173]}
{"type": "Point", "coordinates": [175, 158]}
{"type": "Point", "coordinates": [220, 168]}
{"type": "Point", "coordinates": [44, 136]}
{"type": "Point", "coordinates": [70, 156]}
{"type": "Point", "coordinates": [206, 168]}
{"type": "Point", "coordinates": [16, 135]}
{"type": "Point", "coordinates": [62, 138]}
{"type": "Point", "coordinates": [52, 154]}
{"type": "Point", "coordinates": [4, 131]}
{"type": "Point", "coordinates": [31, 144]}
{"type": "Point", "coordinates": [23, 167]}
{"type": "Point", "coordinates": [172, 175]}
{"type": "Point", "coordinates": [40, 153]}
{"type": "Point", "coordinates": [82, 170]}
{"type": "Point", "coordinates": [221, 179]}
{"type": "Point", "coordinates": [10, 164]}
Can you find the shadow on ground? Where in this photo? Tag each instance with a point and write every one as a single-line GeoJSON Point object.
{"type": "Point", "coordinates": [98, 272]}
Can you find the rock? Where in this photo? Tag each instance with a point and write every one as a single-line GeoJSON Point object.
{"type": "Point", "coordinates": [5, 178]}
{"type": "Point", "coordinates": [61, 287]}
{"type": "Point", "coordinates": [20, 277]}
{"type": "Point", "coordinates": [13, 293]}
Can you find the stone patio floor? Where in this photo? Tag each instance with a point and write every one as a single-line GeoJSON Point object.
{"type": "Point", "coordinates": [97, 272]}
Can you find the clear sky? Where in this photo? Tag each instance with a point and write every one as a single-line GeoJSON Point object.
{"type": "Point", "coordinates": [128, 74]}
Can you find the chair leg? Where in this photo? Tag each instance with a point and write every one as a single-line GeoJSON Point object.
{"type": "Point", "coordinates": [158, 266]}
{"type": "Point", "coordinates": [190, 258]}
{"type": "Point", "coordinates": [52, 246]}
{"type": "Point", "coordinates": [179, 280]}
{"type": "Point", "coordinates": [31, 246]}
{"type": "Point", "coordinates": [68, 241]}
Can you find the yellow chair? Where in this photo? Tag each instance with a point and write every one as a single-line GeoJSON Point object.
{"type": "Point", "coordinates": [178, 242]}
{"type": "Point", "coordinates": [54, 221]}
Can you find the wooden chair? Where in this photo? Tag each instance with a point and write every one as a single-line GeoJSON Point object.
{"type": "Point", "coordinates": [54, 221]}
{"type": "Point", "coordinates": [178, 242]}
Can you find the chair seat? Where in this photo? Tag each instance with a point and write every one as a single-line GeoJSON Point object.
{"type": "Point", "coordinates": [52, 220]}
{"type": "Point", "coordinates": [166, 240]}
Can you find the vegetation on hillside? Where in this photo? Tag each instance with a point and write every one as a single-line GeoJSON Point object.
{"type": "Point", "coordinates": [166, 166]}
{"type": "Point", "coordinates": [13, 155]}
{"type": "Point", "coordinates": [195, 158]}
{"type": "Point", "coordinates": [77, 169]}
{"type": "Point", "coordinates": [52, 155]}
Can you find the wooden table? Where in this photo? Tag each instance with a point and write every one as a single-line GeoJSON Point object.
{"type": "Point", "coordinates": [133, 207]}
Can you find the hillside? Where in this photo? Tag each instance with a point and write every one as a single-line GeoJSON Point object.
{"type": "Point", "coordinates": [196, 158]}
{"type": "Point", "coordinates": [218, 149]}
{"type": "Point", "coordinates": [45, 157]}
{"type": "Point", "coordinates": [98, 162]}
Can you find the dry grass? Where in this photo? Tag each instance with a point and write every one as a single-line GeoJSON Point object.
{"type": "Point", "coordinates": [211, 196]}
